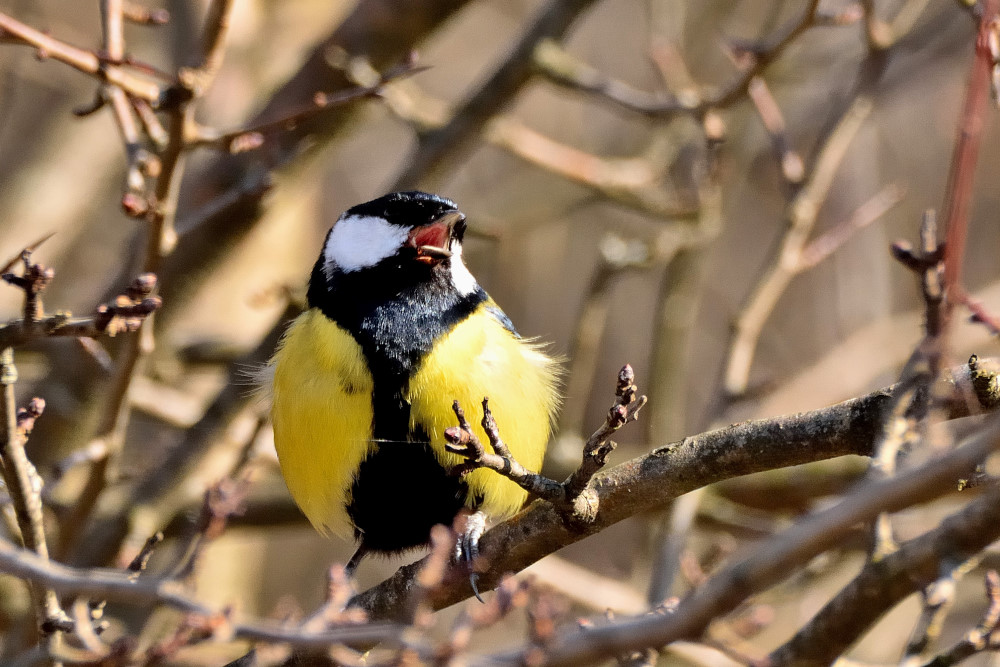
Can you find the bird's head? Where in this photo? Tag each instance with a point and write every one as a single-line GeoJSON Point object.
{"type": "Point", "coordinates": [401, 237]}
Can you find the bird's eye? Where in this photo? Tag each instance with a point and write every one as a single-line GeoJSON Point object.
{"type": "Point", "coordinates": [460, 229]}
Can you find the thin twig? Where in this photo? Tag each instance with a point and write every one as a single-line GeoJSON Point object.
{"type": "Point", "coordinates": [248, 138]}
{"type": "Point", "coordinates": [119, 586]}
{"type": "Point", "coordinates": [24, 487]}
{"type": "Point", "coordinates": [792, 167]}
{"type": "Point", "coordinates": [961, 175]}
{"type": "Point", "coordinates": [443, 146]}
{"type": "Point", "coordinates": [802, 213]}
{"type": "Point", "coordinates": [462, 440]}
{"type": "Point", "coordinates": [982, 637]}
{"type": "Point", "coordinates": [83, 60]}
{"type": "Point", "coordinates": [158, 211]}
{"type": "Point", "coordinates": [754, 58]}
{"type": "Point", "coordinates": [828, 243]}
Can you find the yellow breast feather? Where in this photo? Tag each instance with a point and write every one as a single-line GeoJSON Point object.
{"type": "Point", "coordinates": [481, 358]}
{"type": "Point", "coordinates": [322, 417]}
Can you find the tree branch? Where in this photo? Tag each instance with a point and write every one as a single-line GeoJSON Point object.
{"type": "Point", "coordinates": [652, 480]}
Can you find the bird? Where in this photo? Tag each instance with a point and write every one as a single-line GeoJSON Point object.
{"type": "Point", "coordinates": [396, 329]}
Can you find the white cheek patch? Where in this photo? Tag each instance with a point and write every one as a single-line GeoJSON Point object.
{"type": "Point", "coordinates": [465, 284]}
{"type": "Point", "coordinates": [359, 241]}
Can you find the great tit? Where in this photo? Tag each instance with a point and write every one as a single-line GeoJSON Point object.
{"type": "Point", "coordinates": [396, 329]}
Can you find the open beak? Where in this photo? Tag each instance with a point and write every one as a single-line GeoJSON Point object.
{"type": "Point", "coordinates": [433, 240]}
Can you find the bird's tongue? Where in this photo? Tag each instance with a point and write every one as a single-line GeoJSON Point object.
{"type": "Point", "coordinates": [434, 235]}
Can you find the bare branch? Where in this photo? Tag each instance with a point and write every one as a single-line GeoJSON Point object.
{"type": "Point", "coordinates": [85, 61]}
{"type": "Point", "coordinates": [442, 146]}
{"type": "Point", "coordinates": [24, 487]}
{"type": "Point", "coordinates": [777, 558]}
{"type": "Point", "coordinates": [983, 636]}
{"type": "Point", "coordinates": [664, 474]}
{"type": "Point", "coordinates": [802, 212]}
{"type": "Point", "coordinates": [103, 583]}
{"type": "Point", "coordinates": [125, 314]}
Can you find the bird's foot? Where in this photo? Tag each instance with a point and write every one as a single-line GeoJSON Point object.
{"type": "Point", "coordinates": [467, 546]}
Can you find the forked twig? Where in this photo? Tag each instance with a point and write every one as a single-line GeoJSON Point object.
{"type": "Point", "coordinates": [463, 441]}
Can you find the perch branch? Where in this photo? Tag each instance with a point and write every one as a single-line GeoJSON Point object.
{"type": "Point", "coordinates": [667, 472]}
{"type": "Point", "coordinates": [965, 533]}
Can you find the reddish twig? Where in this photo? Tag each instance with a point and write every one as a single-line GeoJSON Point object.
{"type": "Point", "coordinates": [979, 312]}
{"type": "Point", "coordinates": [961, 176]}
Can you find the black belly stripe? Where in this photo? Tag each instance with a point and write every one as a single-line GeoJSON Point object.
{"type": "Point", "coordinates": [401, 490]}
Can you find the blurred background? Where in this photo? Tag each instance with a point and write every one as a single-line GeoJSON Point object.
{"type": "Point", "coordinates": [632, 222]}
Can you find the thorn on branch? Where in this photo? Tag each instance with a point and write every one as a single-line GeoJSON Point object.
{"type": "Point", "coordinates": [92, 107]}
{"type": "Point", "coordinates": [904, 253]}
{"type": "Point", "coordinates": [929, 263]}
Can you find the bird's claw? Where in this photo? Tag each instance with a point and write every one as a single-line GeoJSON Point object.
{"type": "Point", "coordinates": [467, 547]}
